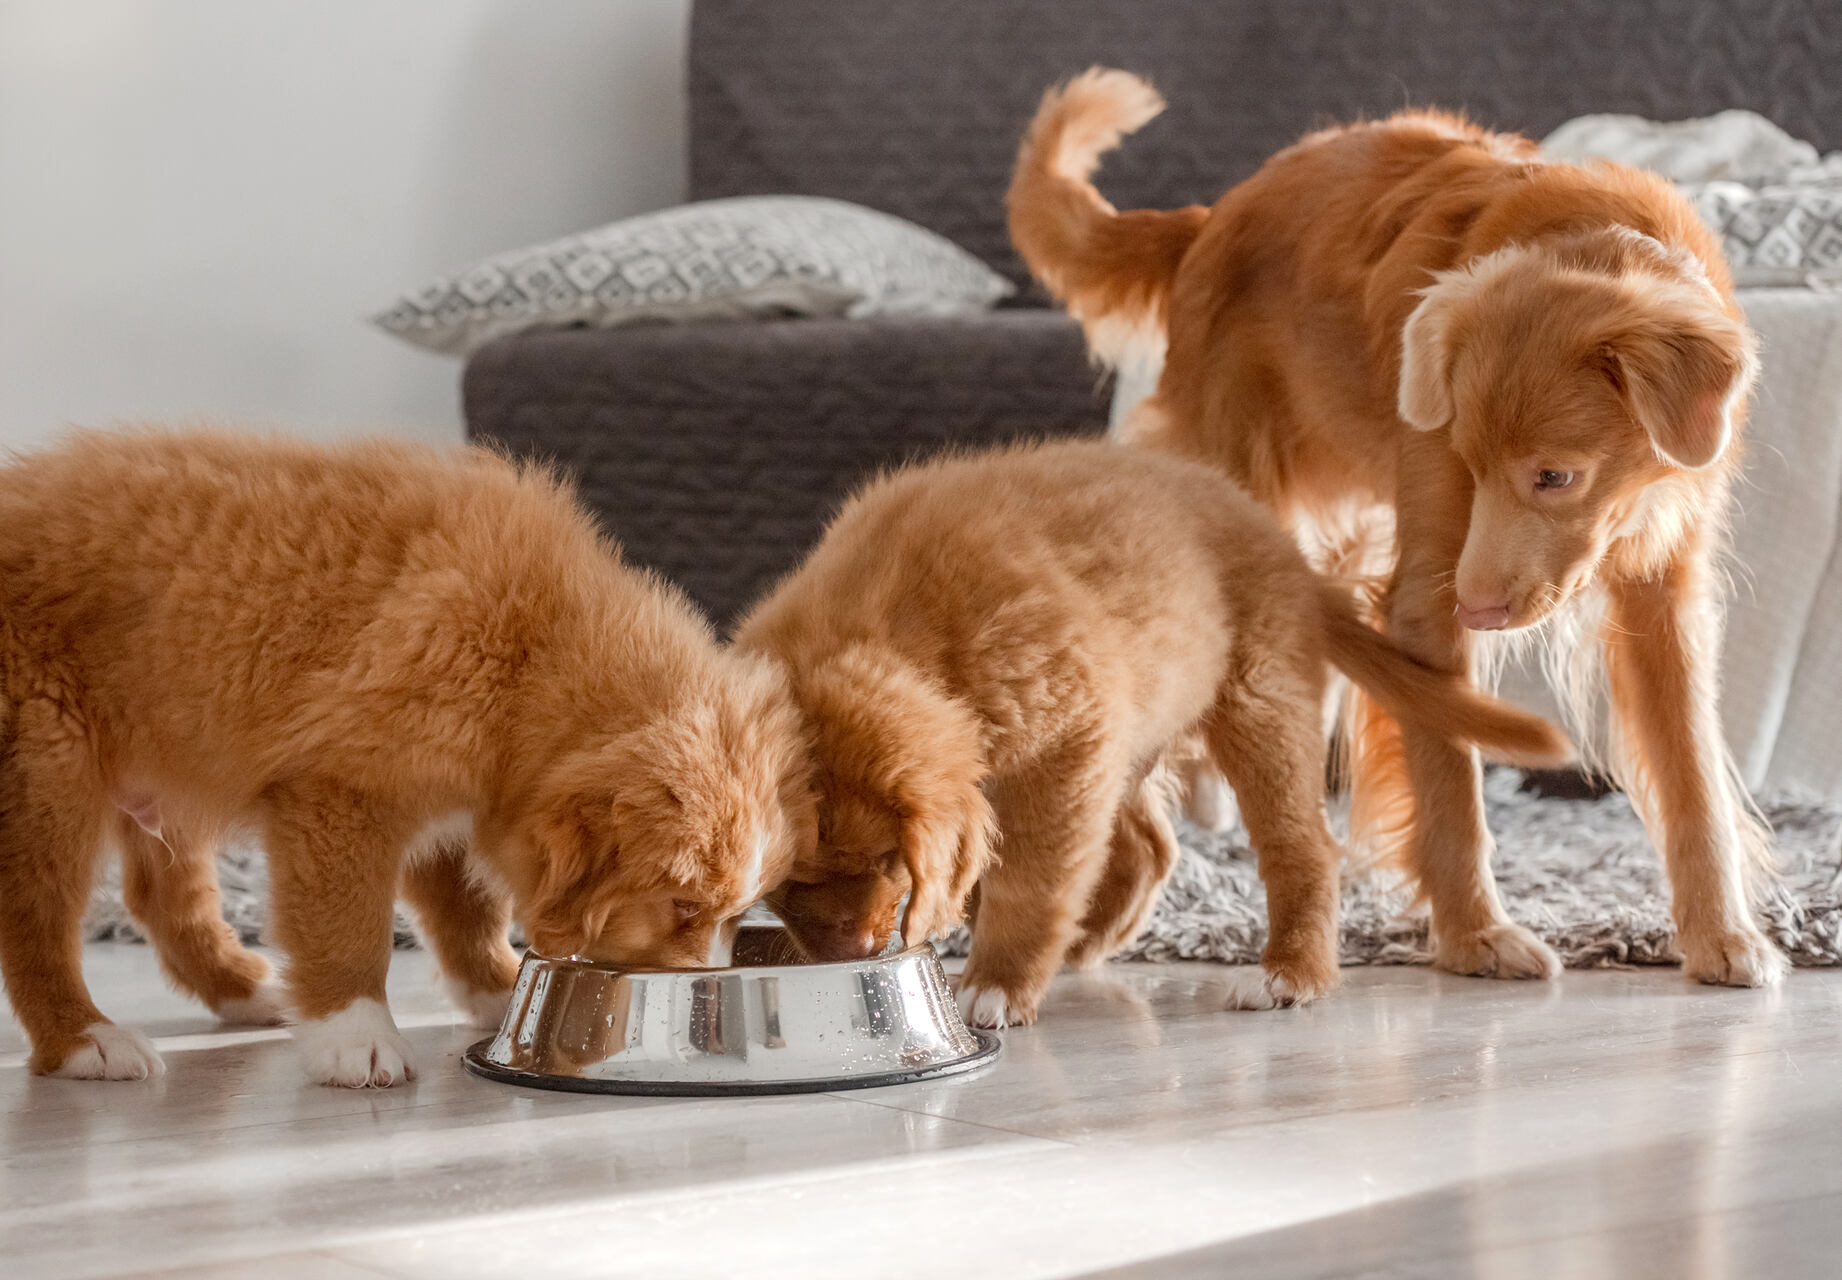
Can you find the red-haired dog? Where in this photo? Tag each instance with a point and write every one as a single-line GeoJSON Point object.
{"type": "Point", "coordinates": [1007, 646]}
{"type": "Point", "coordinates": [1538, 369]}
{"type": "Point", "coordinates": [407, 671]}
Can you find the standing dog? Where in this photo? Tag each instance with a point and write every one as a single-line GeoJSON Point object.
{"type": "Point", "coordinates": [1539, 367]}
{"type": "Point", "coordinates": [1011, 643]}
{"type": "Point", "coordinates": [408, 671]}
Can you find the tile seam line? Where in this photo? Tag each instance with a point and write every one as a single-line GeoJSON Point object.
{"type": "Point", "coordinates": [974, 1124]}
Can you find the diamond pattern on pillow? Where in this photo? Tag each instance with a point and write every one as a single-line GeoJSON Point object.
{"type": "Point", "coordinates": [747, 257]}
{"type": "Point", "coordinates": [1778, 228]}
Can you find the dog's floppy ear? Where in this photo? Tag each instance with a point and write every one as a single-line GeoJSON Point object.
{"type": "Point", "coordinates": [946, 845]}
{"type": "Point", "coordinates": [1683, 377]}
{"type": "Point", "coordinates": [1424, 399]}
{"type": "Point", "coordinates": [888, 732]}
{"type": "Point", "coordinates": [572, 837]}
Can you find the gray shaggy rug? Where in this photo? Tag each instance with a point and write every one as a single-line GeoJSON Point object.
{"type": "Point", "coordinates": [1581, 873]}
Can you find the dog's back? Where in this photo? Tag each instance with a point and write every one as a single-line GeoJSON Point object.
{"type": "Point", "coordinates": [1079, 579]}
{"type": "Point", "coordinates": [1032, 570]}
{"type": "Point", "coordinates": [1277, 313]}
{"type": "Point", "coordinates": [212, 602]}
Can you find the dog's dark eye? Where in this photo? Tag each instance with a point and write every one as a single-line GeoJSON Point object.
{"type": "Point", "coordinates": [1553, 479]}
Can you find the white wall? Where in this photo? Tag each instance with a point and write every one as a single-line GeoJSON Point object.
{"type": "Point", "coordinates": [200, 200]}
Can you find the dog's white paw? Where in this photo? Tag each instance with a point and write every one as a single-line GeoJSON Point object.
{"type": "Point", "coordinates": [991, 1008]}
{"type": "Point", "coordinates": [1738, 958]}
{"type": "Point", "coordinates": [484, 1009]}
{"type": "Point", "coordinates": [266, 1006]}
{"type": "Point", "coordinates": [1499, 951]}
{"type": "Point", "coordinates": [1258, 989]}
{"type": "Point", "coordinates": [112, 1053]}
{"type": "Point", "coordinates": [357, 1048]}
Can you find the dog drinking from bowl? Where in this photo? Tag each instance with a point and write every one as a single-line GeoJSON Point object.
{"type": "Point", "coordinates": [410, 673]}
{"type": "Point", "coordinates": [997, 652]}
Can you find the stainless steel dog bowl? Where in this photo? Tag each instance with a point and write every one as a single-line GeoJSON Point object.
{"type": "Point", "coordinates": [760, 1027]}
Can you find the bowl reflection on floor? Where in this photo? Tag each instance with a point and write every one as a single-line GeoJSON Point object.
{"type": "Point", "coordinates": [768, 1025]}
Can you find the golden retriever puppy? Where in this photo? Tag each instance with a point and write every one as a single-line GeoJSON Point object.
{"type": "Point", "coordinates": [1537, 370]}
{"type": "Point", "coordinates": [408, 671]}
{"type": "Point", "coordinates": [1011, 643]}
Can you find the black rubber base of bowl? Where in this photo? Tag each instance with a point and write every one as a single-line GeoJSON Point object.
{"type": "Point", "coordinates": [475, 1061]}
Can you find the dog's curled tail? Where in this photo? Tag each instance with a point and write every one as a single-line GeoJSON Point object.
{"type": "Point", "coordinates": [1112, 270]}
{"type": "Point", "coordinates": [1414, 693]}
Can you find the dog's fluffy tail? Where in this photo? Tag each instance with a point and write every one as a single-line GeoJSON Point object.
{"type": "Point", "coordinates": [1112, 270]}
{"type": "Point", "coordinates": [1415, 693]}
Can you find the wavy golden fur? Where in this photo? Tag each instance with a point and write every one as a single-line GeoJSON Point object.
{"type": "Point", "coordinates": [1537, 370]}
{"type": "Point", "coordinates": [1006, 646]}
{"type": "Point", "coordinates": [408, 671]}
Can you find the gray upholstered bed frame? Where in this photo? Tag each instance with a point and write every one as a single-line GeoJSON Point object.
{"type": "Point", "coordinates": [715, 452]}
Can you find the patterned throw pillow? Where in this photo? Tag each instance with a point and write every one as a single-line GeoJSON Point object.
{"type": "Point", "coordinates": [748, 257]}
{"type": "Point", "coordinates": [1787, 232]}
{"type": "Point", "coordinates": [1776, 203]}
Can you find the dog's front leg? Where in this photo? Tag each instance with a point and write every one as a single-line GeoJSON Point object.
{"type": "Point", "coordinates": [1662, 656]}
{"type": "Point", "coordinates": [1449, 850]}
{"type": "Point", "coordinates": [1057, 821]}
{"type": "Point", "coordinates": [464, 922]}
{"type": "Point", "coordinates": [333, 861]}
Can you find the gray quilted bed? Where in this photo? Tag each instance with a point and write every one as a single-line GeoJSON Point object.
{"type": "Point", "coordinates": [715, 452]}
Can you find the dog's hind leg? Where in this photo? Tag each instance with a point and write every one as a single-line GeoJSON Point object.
{"type": "Point", "coordinates": [465, 924]}
{"type": "Point", "coordinates": [170, 884]}
{"type": "Point", "coordinates": [1055, 821]}
{"type": "Point", "coordinates": [1139, 859]}
{"type": "Point", "coordinates": [52, 808]}
{"type": "Point", "coordinates": [1266, 737]}
{"type": "Point", "coordinates": [1662, 650]}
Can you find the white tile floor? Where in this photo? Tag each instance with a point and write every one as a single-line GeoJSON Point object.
{"type": "Point", "coordinates": [1414, 1125]}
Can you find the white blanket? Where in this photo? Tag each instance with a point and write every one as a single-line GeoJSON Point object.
{"type": "Point", "coordinates": [1730, 146]}
{"type": "Point", "coordinates": [1783, 665]}
{"type": "Point", "coordinates": [1776, 204]}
